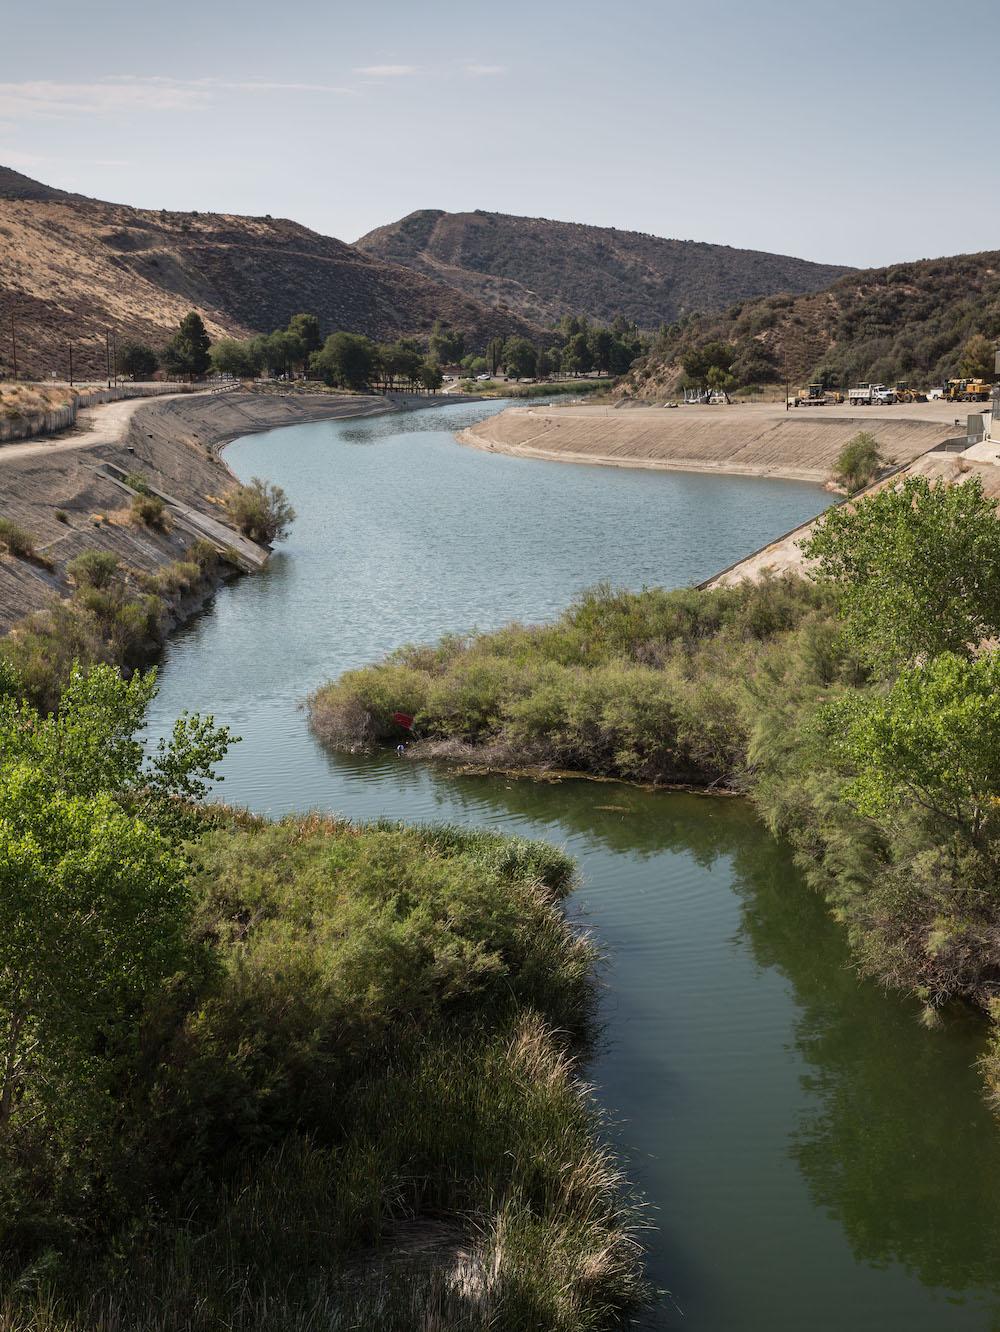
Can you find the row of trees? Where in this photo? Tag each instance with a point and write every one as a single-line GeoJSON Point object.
{"type": "Point", "coordinates": [352, 360]}
{"type": "Point", "coordinates": [576, 347]}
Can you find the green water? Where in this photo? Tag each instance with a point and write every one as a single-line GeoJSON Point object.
{"type": "Point", "coordinates": [812, 1158]}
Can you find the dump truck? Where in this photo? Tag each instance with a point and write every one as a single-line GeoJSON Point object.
{"type": "Point", "coordinates": [870, 395]}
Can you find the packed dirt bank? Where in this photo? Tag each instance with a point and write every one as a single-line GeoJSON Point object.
{"type": "Point", "coordinates": [71, 495]}
{"type": "Point", "coordinates": [744, 439]}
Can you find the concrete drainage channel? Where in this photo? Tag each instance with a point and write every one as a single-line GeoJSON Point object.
{"type": "Point", "coordinates": [200, 525]}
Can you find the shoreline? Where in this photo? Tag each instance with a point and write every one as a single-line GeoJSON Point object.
{"type": "Point", "coordinates": [176, 442]}
{"type": "Point", "coordinates": [751, 440]}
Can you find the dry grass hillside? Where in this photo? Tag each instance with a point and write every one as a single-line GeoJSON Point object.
{"type": "Point", "coordinates": [71, 267]}
{"type": "Point", "coordinates": [543, 270]}
{"type": "Point", "coordinates": [909, 321]}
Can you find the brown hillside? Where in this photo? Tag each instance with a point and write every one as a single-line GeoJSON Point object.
{"type": "Point", "coordinates": [71, 267]}
{"type": "Point", "coordinates": [544, 269]}
{"type": "Point", "coordinates": [909, 321]}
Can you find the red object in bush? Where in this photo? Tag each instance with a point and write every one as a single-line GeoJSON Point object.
{"type": "Point", "coordinates": [403, 719]}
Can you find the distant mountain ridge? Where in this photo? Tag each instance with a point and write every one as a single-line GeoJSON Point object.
{"type": "Point", "coordinates": [72, 268]}
{"type": "Point", "coordinates": [542, 269]}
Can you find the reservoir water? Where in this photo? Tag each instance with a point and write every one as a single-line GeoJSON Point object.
{"type": "Point", "coordinates": [812, 1158]}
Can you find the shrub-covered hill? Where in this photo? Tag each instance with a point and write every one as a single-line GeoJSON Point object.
{"type": "Point", "coordinates": [543, 269]}
{"type": "Point", "coordinates": [909, 321]}
{"type": "Point", "coordinates": [72, 268]}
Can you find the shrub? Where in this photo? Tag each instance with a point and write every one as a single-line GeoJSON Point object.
{"type": "Point", "coordinates": [261, 511]}
{"type": "Point", "coordinates": [858, 463]}
{"type": "Point", "coordinates": [94, 568]}
{"type": "Point", "coordinates": [62, 516]}
{"type": "Point", "coordinates": [137, 481]}
{"type": "Point", "coordinates": [18, 542]}
{"type": "Point", "coordinates": [150, 511]}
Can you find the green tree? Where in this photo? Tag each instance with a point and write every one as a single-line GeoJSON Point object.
{"type": "Point", "coordinates": [916, 568]}
{"type": "Point", "coordinates": [187, 352]}
{"type": "Point", "coordinates": [520, 358]}
{"type": "Point", "coordinates": [930, 744]}
{"type": "Point", "coordinates": [230, 356]}
{"type": "Point", "coordinates": [494, 354]}
{"type": "Point", "coordinates": [621, 357]}
{"type": "Point", "coordinates": [347, 359]}
{"type": "Point", "coordinates": [577, 356]}
{"type": "Point", "coordinates": [447, 345]}
{"type": "Point", "coordinates": [720, 381]}
{"type": "Point", "coordinates": [93, 897]}
{"type": "Point", "coordinates": [305, 329]}
{"type": "Point", "coordinates": [601, 343]}
{"type": "Point", "coordinates": [282, 351]}
{"type": "Point", "coordinates": [978, 359]}
{"type": "Point", "coordinates": [261, 511]}
{"type": "Point", "coordinates": [137, 360]}
{"type": "Point", "coordinates": [431, 377]}
{"type": "Point", "coordinates": [859, 462]}
{"type": "Point", "coordinates": [700, 360]}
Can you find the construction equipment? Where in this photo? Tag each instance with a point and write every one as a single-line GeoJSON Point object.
{"type": "Point", "coordinates": [811, 396]}
{"type": "Point", "coordinates": [967, 390]}
{"type": "Point", "coordinates": [870, 395]}
{"type": "Point", "coordinates": [904, 393]}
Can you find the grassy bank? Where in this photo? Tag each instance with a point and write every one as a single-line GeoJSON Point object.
{"type": "Point", "coordinates": [856, 711]}
{"type": "Point", "coordinates": [283, 1075]}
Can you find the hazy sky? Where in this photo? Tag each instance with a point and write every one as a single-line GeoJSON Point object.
{"type": "Point", "coordinates": [851, 132]}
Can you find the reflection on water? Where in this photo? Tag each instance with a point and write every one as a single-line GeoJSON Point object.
{"type": "Point", "coordinates": [812, 1157]}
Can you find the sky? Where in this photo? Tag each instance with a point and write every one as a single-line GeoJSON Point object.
{"type": "Point", "coordinates": [854, 133]}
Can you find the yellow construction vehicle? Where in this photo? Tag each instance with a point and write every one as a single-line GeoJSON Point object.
{"type": "Point", "coordinates": [906, 394]}
{"type": "Point", "coordinates": [967, 390]}
{"type": "Point", "coordinates": [811, 396]}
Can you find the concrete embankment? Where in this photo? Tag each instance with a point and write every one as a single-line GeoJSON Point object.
{"type": "Point", "coordinates": [743, 440]}
{"type": "Point", "coordinates": [69, 492]}
{"type": "Point", "coordinates": [783, 555]}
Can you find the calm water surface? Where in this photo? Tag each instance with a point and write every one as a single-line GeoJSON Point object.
{"type": "Point", "coordinates": [812, 1158]}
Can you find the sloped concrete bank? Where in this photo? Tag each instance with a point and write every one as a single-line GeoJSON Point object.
{"type": "Point", "coordinates": [741, 440]}
{"type": "Point", "coordinates": [70, 494]}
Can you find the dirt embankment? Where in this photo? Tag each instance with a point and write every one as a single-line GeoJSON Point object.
{"type": "Point", "coordinates": [68, 492]}
{"type": "Point", "coordinates": [747, 440]}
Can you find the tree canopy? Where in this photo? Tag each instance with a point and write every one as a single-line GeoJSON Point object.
{"type": "Point", "coordinates": [932, 742]}
{"type": "Point", "coordinates": [187, 352]}
{"type": "Point", "coordinates": [916, 567]}
{"type": "Point", "coordinates": [137, 360]}
{"type": "Point", "coordinates": [93, 895]}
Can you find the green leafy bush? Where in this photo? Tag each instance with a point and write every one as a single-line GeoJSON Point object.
{"type": "Point", "coordinates": [150, 511]}
{"type": "Point", "coordinates": [261, 511]}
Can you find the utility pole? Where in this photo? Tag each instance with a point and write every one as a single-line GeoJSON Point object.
{"type": "Point", "coordinates": [71, 365]}
{"type": "Point", "coordinates": [13, 345]}
{"type": "Point", "coordinates": [107, 354]}
{"type": "Point", "coordinates": [114, 353]}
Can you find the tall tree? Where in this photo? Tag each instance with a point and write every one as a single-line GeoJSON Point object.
{"type": "Point", "coordinates": [347, 359]}
{"type": "Point", "coordinates": [520, 358]}
{"type": "Point", "coordinates": [978, 358]}
{"type": "Point", "coordinates": [305, 328]}
{"type": "Point", "coordinates": [187, 352]}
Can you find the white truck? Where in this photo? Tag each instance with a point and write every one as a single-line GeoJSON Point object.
{"type": "Point", "coordinates": [871, 395]}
